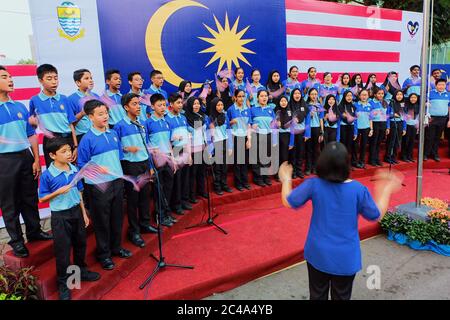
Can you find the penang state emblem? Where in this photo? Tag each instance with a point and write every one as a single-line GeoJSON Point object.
{"type": "Point", "coordinates": [69, 17]}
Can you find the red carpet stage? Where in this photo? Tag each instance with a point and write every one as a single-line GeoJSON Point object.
{"type": "Point", "coordinates": [263, 237]}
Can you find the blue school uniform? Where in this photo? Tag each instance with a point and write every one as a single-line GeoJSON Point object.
{"type": "Point", "coordinates": [262, 116]}
{"type": "Point", "coordinates": [325, 90]}
{"type": "Point", "coordinates": [378, 112]}
{"type": "Point", "coordinates": [14, 126]}
{"type": "Point", "coordinates": [255, 90]}
{"type": "Point", "coordinates": [316, 113]}
{"type": "Point", "coordinates": [333, 244]}
{"type": "Point", "coordinates": [290, 85]}
{"type": "Point", "coordinates": [398, 120]}
{"type": "Point", "coordinates": [340, 93]}
{"type": "Point", "coordinates": [158, 131]}
{"type": "Point", "coordinates": [53, 179]}
{"type": "Point", "coordinates": [131, 135]}
{"type": "Point", "coordinates": [178, 128]}
{"type": "Point", "coordinates": [104, 149]}
{"type": "Point", "coordinates": [439, 103]}
{"type": "Point", "coordinates": [303, 86]}
{"type": "Point", "coordinates": [363, 113]}
{"type": "Point", "coordinates": [54, 112]}
{"type": "Point", "coordinates": [84, 124]}
{"type": "Point", "coordinates": [242, 115]}
{"type": "Point", "coordinates": [143, 115]}
{"type": "Point", "coordinates": [200, 136]}
{"type": "Point", "coordinates": [116, 112]}
{"type": "Point", "coordinates": [412, 88]}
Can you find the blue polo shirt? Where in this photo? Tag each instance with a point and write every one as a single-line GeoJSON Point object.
{"type": "Point", "coordinates": [116, 112]}
{"type": "Point", "coordinates": [158, 131]}
{"type": "Point", "coordinates": [412, 87]}
{"type": "Point", "coordinates": [304, 84]}
{"type": "Point", "coordinates": [53, 179]}
{"type": "Point", "coordinates": [199, 135]}
{"type": "Point", "coordinates": [363, 113]}
{"type": "Point", "coordinates": [178, 128]}
{"type": "Point", "coordinates": [235, 85]}
{"type": "Point", "coordinates": [333, 244]}
{"type": "Point", "coordinates": [152, 90]}
{"type": "Point", "coordinates": [14, 126]}
{"type": "Point", "coordinates": [222, 132]}
{"type": "Point", "coordinates": [326, 90]}
{"type": "Point", "coordinates": [439, 103]}
{"type": "Point", "coordinates": [130, 135]}
{"type": "Point", "coordinates": [316, 113]}
{"type": "Point", "coordinates": [55, 112]}
{"type": "Point", "coordinates": [84, 124]}
{"type": "Point", "coordinates": [255, 89]}
{"type": "Point", "coordinates": [378, 113]}
{"type": "Point", "coordinates": [104, 149]}
{"type": "Point", "coordinates": [398, 121]}
{"type": "Point", "coordinates": [262, 116]}
{"type": "Point", "coordinates": [143, 115]}
{"type": "Point", "coordinates": [242, 115]}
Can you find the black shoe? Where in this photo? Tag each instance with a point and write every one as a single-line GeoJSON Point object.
{"type": "Point", "coordinates": [148, 229]}
{"type": "Point", "coordinates": [411, 160]}
{"type": "Point", "coordinates": [179, 212]}
{"type": "Point", "coordinates": [404, 159]}
{"type": "Point", "coordinates": [378, 163]}
{"type": "Point", "coordinates": [425, 158]}
{"type": "Point", "coordinates": [41, 236]}
{"type": "Point", "coordinates": [64, 293]}
{"type": "Point", "coordinates": [373, 164]}
{"type": "Point", "coordinates": [359, 165]}
{"type": "Point", "coordinates": [90, 276]}
{"type": "Point", "coordinates": [437, 159]}
{"type": "Point", "coordinates": [240, 188]}
{"type": "Point", "coordinates": [172, 219]}
{"type": "Point", "coordinates": [301, 175]}
{"type": "Point", "coordinates": [267, 182]}
{"type": "Point", "coordinates": [354, 165]}
{"type": "Point", "coordinates": [123, 253]}
{"type": "Point", "coordinates": [259, 183]}
{"type": "Point", "coordinates": [136, 240]}
{"type": "Point", "coordinates": [167, 222]}
{"type": "Point", "coordinates": [227, 189]}
{"type": "Point", "coordinates": [307, 172]}
{"type": "Point", "coordinates": [186, 206]}
{"type": "Point", "coordinates": [247, 186]}
{"type": "Point", "coordinates": [20, 250]}
{"type": "Point", "coordinates": [204, 195]}
{"type": "Point", "coordinates": [193, 200]}
{"type": "Point", "coordinates": [395, 161]}
{"type": "Point", "coordinates": [218, 192]}
{"type": "Point", "coordinates": [107, 264]}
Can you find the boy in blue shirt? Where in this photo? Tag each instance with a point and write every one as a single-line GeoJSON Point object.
{"type": "Point", "coordinates": [19, 170]}
{"type": "Point", "coordinates": [102, 146]}
{"type": "Point", "coordinates": [116, 111]}
{"type": "Point", "coordinates": [412, 84]}
{"type": "Point", "coordinates": [85, 83]}
{"type": "Point", "coordinates": [158, 132]}
{"type": "Point", "coordinates": [53, 110]}
{"type": "Point", "coordinates": [438, 109]}
{"type": "Point", "coordinates": [157, 79]}
{"type": "Point", "coordinates": [135, 163]}
{"type": "Point", "coordinates": [180, 139]}
{"type": "Point", "coordinates": [69, 219]}
{"type": "Point", "coordinates": [136, 81]}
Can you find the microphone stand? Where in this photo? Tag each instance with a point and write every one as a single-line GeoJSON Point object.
{"type": "Point", "coordinates": [161, 264]}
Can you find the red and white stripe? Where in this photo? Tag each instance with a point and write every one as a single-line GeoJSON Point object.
{"type": "Point", "coordinates": [340, 38]}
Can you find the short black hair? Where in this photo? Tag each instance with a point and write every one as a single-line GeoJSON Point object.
{"type": "Point", "coordinates": [91, 105]}
{"type": "Point", "coordinates": [78, 74]}
{"type": "Point", "coordinates": [126, 98]}
{"type": "Point", "coordinates": [156, 97]}
{"type": "Point", "coordinates": [261, 90]}
{"type": "Point", "coordinates": [43, 69]}
{"type": "Point", "coordinates": [437, 69]}
{"type": "Point", "coordinates": [3, 68]}
{"type": "Point", "coordinates": [174, 96]}
{"type": "Point", "coordinates": [154, 73]}
{"type": "Point", "coordinates": [56, 143]}
{"type": "Point", "coordinates": [414, 66]}
{"type": "Point", "coordinates": [110, 72]}
{"type": "Point", "coordinates": [333, 164]}
{"type": "Point", "coordinates": [440, 80]}
{"type": "Point", "coordinates": [132, 74]}
{"type": "Point", "coordinates": [292, 67]}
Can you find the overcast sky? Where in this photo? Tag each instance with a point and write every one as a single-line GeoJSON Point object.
{"type": "Point", "coordinates": [15, 29]}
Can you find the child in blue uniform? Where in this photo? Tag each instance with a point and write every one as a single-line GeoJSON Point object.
{"type": "Point", "coordinates": [363, 125]}
{"type": "Point", "coordinates": [412, 108]}
{"type": "Point", "coordinates": [379, 125]}
{"type": "Point", "coordinates": [312, 145]}
{"type": "Point", "coordinates": [331, 119]}
{"type": "Point", "coordinates": [113, 82]}
{"type": "Point", "coordinates": [396, 125]}
{"type": "Point", "coordinates": [348, 134]}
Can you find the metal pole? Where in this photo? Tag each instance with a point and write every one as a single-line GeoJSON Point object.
{"type": "Point", "coordinates": [423, 95]}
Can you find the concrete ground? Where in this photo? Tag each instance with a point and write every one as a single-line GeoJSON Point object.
{"type": "Point", "coordinates": [404, 274]}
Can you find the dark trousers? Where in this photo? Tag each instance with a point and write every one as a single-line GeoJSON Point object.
{"type": "Point", "coordinates": [165, 177]}
{"type": "Point", "coordinates": [408, 142]}
{"type": "Point", "coordinates": [285, 153]}
{"type": "Point", "coordinates": [220, 164]}
{"type": "Point", "coordinates": [320, 284]}
{"type": "Point", "coordinates": [18, 195]}
{"type": "Point", "coordinates": [180, 188]}
{"type": "Point", "coordinates": [329, 135]}
{"type": "Point", "coordinates": [363, 136]}
{"type": "Point", "coordinates": [107, 217]}
{"type": "Point", "coordinates": [394, 140]}
{"type": "Point", "coordinates": [197, 175]}
{"type": "Point", "coordinates": [66, 137]}
{"type": "Point", "coordinates": [240, 166]}
{"type": "Point", "coordinates": [379, 131]}
{"type": "Point", "coordinates": [261, 150]}
{"type": "Point", "coordinates": [299, 152]}
{"type": "Point", "coordinates": [138, 203]}
{"type": "Point", "coordinates": [346, 137]}
{"type": "Point", "coordinates": [433, 134]}
{"type": "Point", "coordinates": [69, 232]}
{"type": "Point", "coordinates": [312, 144]}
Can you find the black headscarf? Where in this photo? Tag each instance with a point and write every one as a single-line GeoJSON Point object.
{"type": "Point", "coordinates": [284, 114]}
{"type": "Point", "coordinates": [392, 88]}
{"type": "Point", "coordinates": [334, 108]}
{"type": "Point", "coordinates": [181, 88]}
{"type": "Point", "coordinates": [296, 106]}
{"type": "Point", "coordinates": [412, 106]}
{"type": "Point", "coordinates": [218, 118]}
{"type": "Point", "coordinates": [345, 106]}
{"type": "Point", "coordinates": [191, 116]}
{"type": "Point", "coordinates": [273, 86]}
{"type": "Point", "coordinates": [397, 105]}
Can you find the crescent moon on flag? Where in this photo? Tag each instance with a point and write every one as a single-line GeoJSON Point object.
{"type": "Point", "coordinates": [153, 37]}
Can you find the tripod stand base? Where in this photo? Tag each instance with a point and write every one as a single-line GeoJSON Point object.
{"type": "Point", "coordinates": [209, 222]}
{"type": "Point", "coordinates": [161, 265]}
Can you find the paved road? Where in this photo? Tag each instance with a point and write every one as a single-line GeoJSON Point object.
{"type": "Point", "coordinates": [405, 274]}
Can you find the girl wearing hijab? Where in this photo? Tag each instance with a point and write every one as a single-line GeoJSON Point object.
{"type": "Point", "coordinates": [225, 94]}
{"type": "Point", "coordinates": [283, 116]}
{"type": "Point", "coordinates": [390, 85]}
{"type": "Point", "coordinates": [197, 124]}
{"type": "Point", "coordinates": [363, 125]}
{"type": "Point", "coordinates": [316, 114]}
{"type": "Point", "coordinates": [273, 84]}
{"type": "Point", "coordinates": [301, 130]}
{"type": "Point", "coordinates": [219, 131]}
{"type": "Point", "coordinates": [331, 119]}
{"type": "Point", "coordinates": [397, 126]}
{"type": "Point", "coordinates": [412, 122]}
{"type": "Point", "coordinates": [185, 89]}
{"type": "Point", "coordinates": [379, 123]}
{"type": "Point", "coordinates": [348, 134]}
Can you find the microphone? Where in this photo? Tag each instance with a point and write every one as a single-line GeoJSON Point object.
{"type": "Point", "coordinates": [137, 124]}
